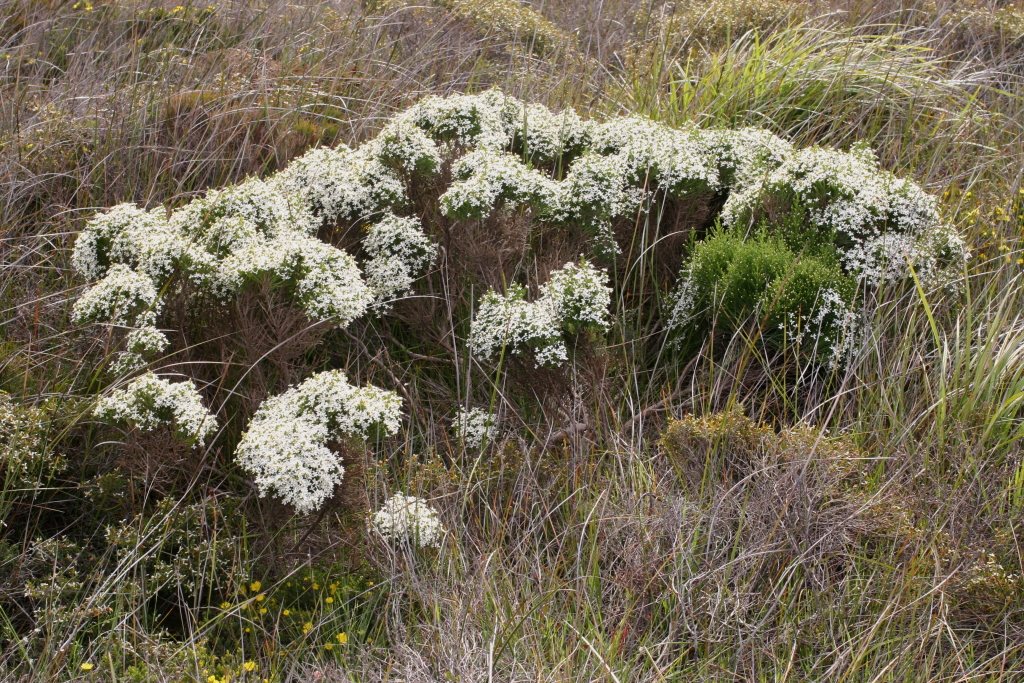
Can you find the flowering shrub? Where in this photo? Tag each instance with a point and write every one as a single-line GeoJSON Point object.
{"type": "Point", "coordinates": [502, 153]}
{"type": "Point", "coordinates": [285, 447]}
{"type": "Point", "coordinates": [804, 233]}
{"type": "Point", "coordinates": [474, 427]}
{"type": "Point", "coordinates": [187, 548]}
{"type": "Point", "coordinates": [23, 443]}
{"type": "Point", "coordinates": [149, 402]}
{"type": "Point", "coordinates": [408, 519]}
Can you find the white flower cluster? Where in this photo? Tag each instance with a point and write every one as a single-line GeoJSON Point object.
{"type": "Point", "coordinates": [123, 297]}
{"type": "Point", "coordinates": [467, 120]}
{"type": "Point", "coordinates": [474, 427]}
{"type": "Point", "coordinates": [408, 519]}
{"type": "Point", "coordinates": [341, 185]}
{"type": "Point", "coordinates": [404, 146]}
{"type": "Point", "coordinates": [399, 250]}
{"type": "Point", "coordinates": [484, 177]}
{"type": "Point", "coordinates": [631, 159]}
{"type": "Point", "coordinates": [579, 295]}
{"type": "Point", "coordinates": [130, 236]}
{"type": "Point", "coordinates": [285, 447]}
{"type": "Point", "coordinates": [535, 132]}
{"type": "Point", "coordinates": [881, 224]}
{"type": "Point", "coordinates": [128, 299]}
{"type": "Point", "coordinates": [325, 281]}
{"type": "Point", "coordinates": [576, 297]}
{"type": "Point", "coordinates": [149, 402]}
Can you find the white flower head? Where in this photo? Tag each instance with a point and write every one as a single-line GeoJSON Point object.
{"type": "Point", "coordinates": [226, 218]}
{"type": "Point", "coordinates": [130, 236]}
{"type": "Point", "coordinates": [474, 427]}
{"type": "Point", "coordinates": [576, 297]}
{"type": "Point", "coordinates": [286, 444]}
{"type": "Point", "coordinates": [399, 252]}
{"type": "Point", "coordinates": [339, 184]}
{"type": "Point", "coordinates": [149, 402]}
{"type": "Point", "coordinates": [484, 177]}
{"type": "Point", "coordinates": [408, 519]}
{"type": "Point", "coordinates": [579, 295]}
{"type": "Point", "coordinates": [123, 297]}
{"type": "Point", "coordinates": [325, 280]}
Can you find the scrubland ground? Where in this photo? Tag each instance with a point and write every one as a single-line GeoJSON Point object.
{"type": "Point", "coordinates": [722, 510]}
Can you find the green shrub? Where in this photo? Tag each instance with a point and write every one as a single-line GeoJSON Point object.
{"type": "Point", "coordinates": [793, 296]}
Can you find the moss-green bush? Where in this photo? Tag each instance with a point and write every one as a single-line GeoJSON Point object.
{"type": "Point", "coordinates": [792, 296]}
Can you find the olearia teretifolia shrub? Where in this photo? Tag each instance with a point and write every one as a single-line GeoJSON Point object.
{"type": "Point", "coordinates": [792, 238]}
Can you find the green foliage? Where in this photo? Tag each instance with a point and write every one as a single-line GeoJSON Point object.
{"type": "Point", "coordinates": [733, 280]}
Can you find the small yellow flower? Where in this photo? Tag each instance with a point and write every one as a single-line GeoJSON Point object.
{"type": "Point", "coordinates": [328, 646]}
{"type": "Point", "coordinates": [86, 666]}
{"type": "Point", "coordinates": [316, 586]}
{"type": "Point", "coordinates": [225, 605]}
{"type": "Point", "coordinates": [211, 679]}
{"type": "Point", "coordinates": [259, 598]}
{"type": "Point", "coordinates": [248, 630]}
{"type": "Point", "coordinates": [286, 612]}
{"type": "Point", "coordinates": [329, 600]}
{"type": "Point", "coordinates": [263, 610]}
{"type": "Point", "coordinates": [342, 638]}
{"type": "Point", "coordinates": [307, 627]}
{"type": "Point", "coordinates": [249, 666]}
{"type": "Point", "coordinates": [255, 586]}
